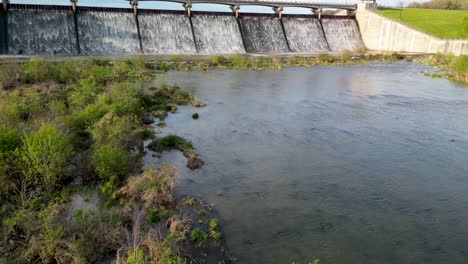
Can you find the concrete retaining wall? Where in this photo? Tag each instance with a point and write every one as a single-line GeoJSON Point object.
{"type": "Point", "coordinates": [381, 33]}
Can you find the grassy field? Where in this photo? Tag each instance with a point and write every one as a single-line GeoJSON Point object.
{"type": "Point", "coordinates": [441, 23]}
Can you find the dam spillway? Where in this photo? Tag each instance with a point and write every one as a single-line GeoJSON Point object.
{"type": "Point", "coordinates": [166, 34]}
{"type": "Point", "coordinates": [107, 33]}
{"type": "Point", "coordinates": [41, 32]}
{"type": "Point", "coordinates": [305, 35]}
{"type": "Point", "coordinates": [217, 34]}
{"type": "Point", "coordinates": [263, 34]}
{"type": "Point", "coordinates": [342, 34]}
{"type": "Point", "coordinates": [57, 30]}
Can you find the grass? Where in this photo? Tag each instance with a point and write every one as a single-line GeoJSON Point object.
{"type": "Point", "coordinates": [441, 23]}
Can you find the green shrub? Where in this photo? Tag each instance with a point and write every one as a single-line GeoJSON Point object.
{"type": "Point", "coordinates": [122, 131]}
{"type": "Point", "coordinates": [9, 75]}
{"type": "Point", "coordinates": [214, 233]}
{"type": "Point", "coordinates": [152, 216]}
{"type": "Point", "coordinates": [239, 62]}
{"type": "Point", "coordinates": [100, 74]}
{"type": "Point", "coordinates": [36, 70]}
{"type": "Point", "coordinates": [9, 142]}
{"type": "Point", "coordinates": [460, 64]}
{"type": "Point", "coordinates": [44, 156]}
{"type": "Point", "coordinates": [110, 161]}
{"type": "Point", "coordinates": [58, 108]}
{"type": "Point", "coordinates": [198, 237]}
{"type": "Point", "coordinates": [123, 98]}
{"type": "Point", "coordinates": [84, 94]}
{"type": "Point", "coordinates": [218, 60]}
{"type": "Point", "coordinates": [18, 107]}
{"type": "Point", "coordinates": [64, 72]}
{"type": "Point", "coordinates": [170, 142]}
{"type": "Point", "coordinates": [325, 58]}
{"type": "Point", "coordinates": [172, 94]}
{"type": "Point", "coordinates": [176, 59]}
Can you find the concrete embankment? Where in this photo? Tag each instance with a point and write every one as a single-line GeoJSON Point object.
{"type": "Point", "coordinates": [380, 33]}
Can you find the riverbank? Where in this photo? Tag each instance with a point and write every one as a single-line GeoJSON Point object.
{"type": "Point", "coordinates": [69, 126]}
{"type": "Point", "coordinates": [453, 68]}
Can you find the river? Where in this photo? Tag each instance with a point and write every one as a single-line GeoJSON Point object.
{"type": "Point", "coordinates": [346, 164]}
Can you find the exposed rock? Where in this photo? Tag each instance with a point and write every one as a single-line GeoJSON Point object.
{"type": "Point", "coordinates": [195, 116]}
{"type": "Point", "coordinates": [193, 160]}
{"type": "Point", "coordinates": [194, 163]}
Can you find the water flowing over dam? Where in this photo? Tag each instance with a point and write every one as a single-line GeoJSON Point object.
{"type": "Point", "coordinates": [305, 35]}
{"type": "Point", "coordinates": [107, 33]}
{"type": "Point", "coordinates": [166, 34]}
{"type": "Point", "coordinates": [217, 34]}
{"type": "Point", "coordinates": [57, 30]}
{"type": "Point", "coordinates": [342, 34]}
{"type": "Point", "coordinates": [41, 32]}
{"type": "Point", "coordinates": [263, 35]}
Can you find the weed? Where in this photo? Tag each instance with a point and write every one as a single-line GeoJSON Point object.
{"type": "Point", "coordinates": [198, 237]}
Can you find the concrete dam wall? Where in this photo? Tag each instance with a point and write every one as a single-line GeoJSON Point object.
{"type": "Point", "coordinates": [57, 30]}
{"type": "Point", "coordinates": [381, 33]}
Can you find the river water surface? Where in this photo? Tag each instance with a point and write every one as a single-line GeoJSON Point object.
{"type": "Point", "coordinates": [355, 164]}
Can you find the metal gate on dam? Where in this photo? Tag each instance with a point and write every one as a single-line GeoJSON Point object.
{"type": "Point", "coordinates": [63, 30]}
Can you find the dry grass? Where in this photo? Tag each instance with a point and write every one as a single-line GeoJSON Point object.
{"type": "Point", "coordinates": [153, 187]}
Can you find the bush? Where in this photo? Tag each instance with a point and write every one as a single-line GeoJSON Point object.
{"type": "Point", "coordinates": [9, 143]}
{"type": "Point", "coordinates": [110, 161]}
{"type": "Point", "coordinates": [44, 155]}
{"type": "Point", "coordinates": [218, 60]}
{"type": "Point", "coordinates": [170, 142]}
{"type": "Point", "coordinates": [99, 74]}
{"type": "Point", "coordinates": [64, 72]}
{"type": "Point", "coordinates": [123, 98]}
{"type": "Point", "coordinates": [324, 57]}
{"type": "Point", "coordinates": [122, 131]}
{"type": "Point", "coordinates": [239, 62]}
{"type": "Point", "coordinates": [9, 75]}
{"type": "Point", "coordinates": [153, 188]}
{"type": "Point", "coordinates": [198, 237]}
{"type": "Point", "coordinates": [36, 70]}
{"type": "Point", "coordinates": [84, 94]}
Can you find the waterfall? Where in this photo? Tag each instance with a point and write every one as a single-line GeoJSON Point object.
{"type": "Point", "coordinates": [342, 34]}
{"type": "Point", "coordinates": [41, 32]}
{"type": "Point", "coordinates": [263, 34]}
{"type": "Point", "coordinates": [166, 34]}
{"type": "Point", "coordinates": [305, 35]}
{"type": "Point", "coordinates": [217, 34]}
{"type": "Point", "coordinates": [107, 33]}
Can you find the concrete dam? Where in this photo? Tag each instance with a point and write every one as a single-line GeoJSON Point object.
{"type": "Point", "coordinates": [58, 30]}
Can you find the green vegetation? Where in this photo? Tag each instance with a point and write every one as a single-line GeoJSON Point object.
{"type": "Point", "coordinates": [441, 4]}
{"type": "Point", "coordinates": [69, 125]}
{"type": "Point", "coordinates": [214, 233]}
{"type": "Point", "coordinates": [198, 237]}
{"type": "Point", "coordinates": [170, 142]}
{"type": "Point", "coordinates": [454, 68]}
{"type": "Point", "coordinates": [441, 23]}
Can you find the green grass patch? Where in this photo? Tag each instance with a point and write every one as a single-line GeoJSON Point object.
{"type": "Point", "coordinates": [441, 23]}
